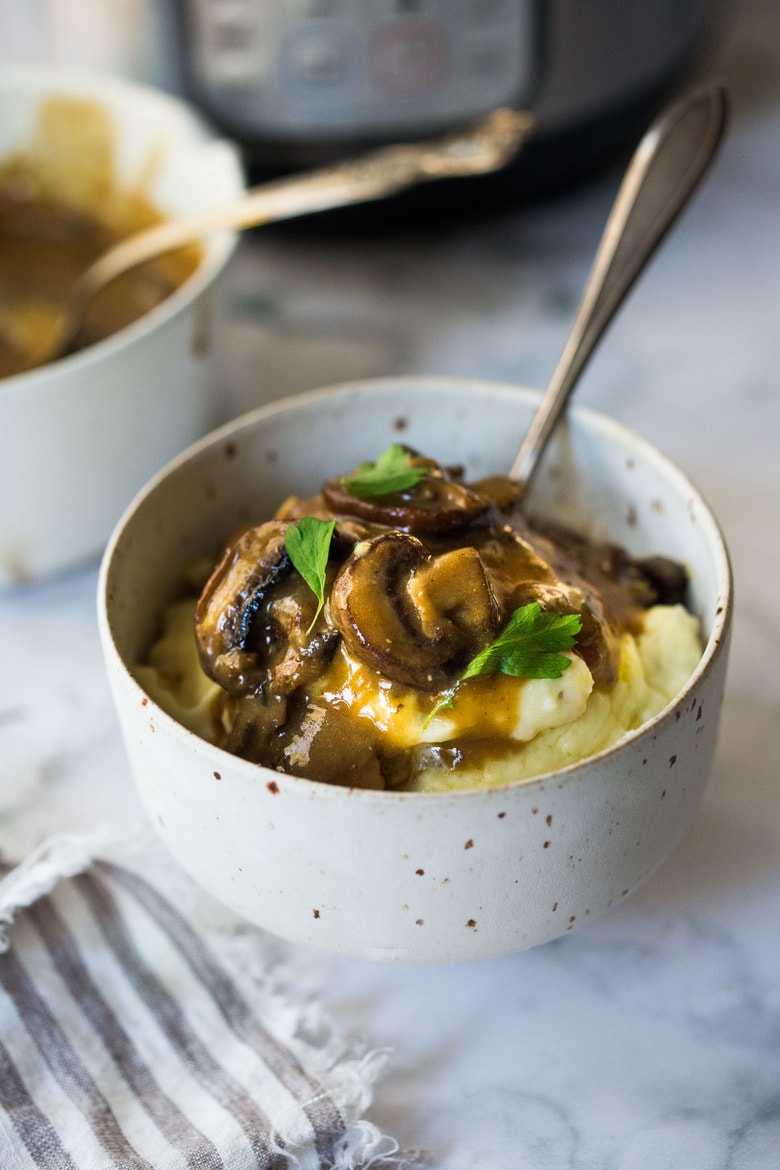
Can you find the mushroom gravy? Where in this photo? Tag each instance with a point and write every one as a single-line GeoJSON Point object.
{"type": "Point", "coordinates": [61, 207]}
{"type": "Point", "coordinates": [368, 692]}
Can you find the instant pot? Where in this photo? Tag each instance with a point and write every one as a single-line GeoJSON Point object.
{"type": "Point", "coordinates": [301, 82]}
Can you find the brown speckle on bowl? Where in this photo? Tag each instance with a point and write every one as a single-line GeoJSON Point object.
{"type": "Point", "coordinates": [547, 844]}
{"type": "Point", "coordinates": [631, 516]}
{"type": "Point", "coordinates": [316, 913]}
{"type": "Point", "coordinates": [555, 906]}
{"type": "Point", "coordinates": [548, 819]}
{"type": "Point", "coordinates": [401, 423]}
{"type": "Point", "coordinates": [144, 701]}
{"type": "Point", "coordinates": [501, 815]}
{"type": "Point", "coordinates": [217, 775]}
{"type": "Point", "coordinates": [419, 872]}
{"type": "Point", "coordinates": [672, 761]}
{"type": "Point", "coordinates": [418, 922]}
{"type": "Point", "coordinates": [472, 924]}
{"type": "Point", "coordinates": [231, 450]}
{"type": "Point", "coordinates": [469, 844]}
{"type": "Point", "coordinates": [663, 793]}
{"type": "Point", "coordinates": [657, 506]}
{"type": "Point", "coordinates": [272, 787]}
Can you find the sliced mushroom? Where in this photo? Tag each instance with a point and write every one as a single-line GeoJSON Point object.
{"type": "Point", "coordinates": [253, 618]}
{"type": "Point", "coordinates": [349, 529]}
{"type": "Point", "coordinates": [412, 617]}
{"type": "Point", "coordinates": [257, 719]}
{"type": "Point", "coordinates": [439, 504]}
{"type": "Point", "coordinates": [667, 579]}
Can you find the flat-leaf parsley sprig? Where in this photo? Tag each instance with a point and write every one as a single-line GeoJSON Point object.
{"type": "Point", "coordinates": [308, 546]}
{"type": "Point", "coordinates": [393, 471]}
{"type": "Point", "coordinates": [529, 646]}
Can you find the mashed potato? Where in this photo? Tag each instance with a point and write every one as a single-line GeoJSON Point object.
{"type": "Point", "coordinates": [533, 725]}
{"type": "Point", "coordinates": [654, 667]}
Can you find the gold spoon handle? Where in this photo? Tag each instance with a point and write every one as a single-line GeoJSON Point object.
{"type": "Point", "coordinates": [485, 147]}
{"type": "Point", "coordinates": [667, 166]}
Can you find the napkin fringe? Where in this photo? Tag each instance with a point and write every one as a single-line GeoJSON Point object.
{"type": "Point", "coordinates": [61, 856]}
{"type": "Point", "coordinates": [345, 1066]}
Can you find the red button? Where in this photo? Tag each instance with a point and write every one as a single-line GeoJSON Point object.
{"type": "Point", "coordinates": [409, 58]}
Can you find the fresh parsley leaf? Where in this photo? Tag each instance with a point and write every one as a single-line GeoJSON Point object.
{"type": "Point", "coordinates": [528, 647]}
{"type": "Point", "coordinates": [308, 545]}
{"type": "Point", "coordinates": [392, 472]}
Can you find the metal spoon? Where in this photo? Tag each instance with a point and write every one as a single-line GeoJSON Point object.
{"type": "Point", "coordinates": [667, 166]}
{"type": "Point", "coordinates": [484, 147]}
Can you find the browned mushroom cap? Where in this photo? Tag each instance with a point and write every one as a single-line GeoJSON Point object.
{"type": "Point", "coordinates": [253, 616]}
{"type": "Point", "coordinates": [413, 618]}
{"type": "Point", "coordinates": [437, 505]}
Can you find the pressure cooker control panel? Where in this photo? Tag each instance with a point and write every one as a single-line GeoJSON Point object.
{"type": "Point", "coordinates": [338, 68]}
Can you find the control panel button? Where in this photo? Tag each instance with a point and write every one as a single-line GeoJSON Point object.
{"type": "Point", "coordinates": [232, 44]}
{"type": "Point", "coordinates": [317, 60]}
{"type": "Point", "coordinates": [409, 57]}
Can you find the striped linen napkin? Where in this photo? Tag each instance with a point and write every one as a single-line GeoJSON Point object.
{"type": "Point", "coordinates": [130, 1040]}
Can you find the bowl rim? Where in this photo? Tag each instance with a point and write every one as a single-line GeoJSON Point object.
{"type": "Point", "coordinates": [217, 249]}
{"type": "Point", "coordinates": [569, 773]}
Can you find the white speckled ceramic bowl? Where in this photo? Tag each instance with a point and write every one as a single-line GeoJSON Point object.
{"type": "Point", "coordinates": [416, 877]}
{"type": "Point", "coordinates": [81, 435]}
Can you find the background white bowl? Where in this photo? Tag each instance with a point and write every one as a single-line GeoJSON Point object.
{"type": "Point", "coordinates": [416, 877]}
{"type": "Point", "coordinates": [81, 435]}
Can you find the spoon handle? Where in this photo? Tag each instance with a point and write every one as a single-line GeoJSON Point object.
{"type": "Point", "coordinates": [482, 148]}
{"type": "Point", "coordinates": [668, 164]}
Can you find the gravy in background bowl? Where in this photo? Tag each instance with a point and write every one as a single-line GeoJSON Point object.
{"type": "Point", "coordinates": [61, 207]}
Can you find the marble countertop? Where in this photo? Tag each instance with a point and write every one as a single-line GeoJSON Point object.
{"type": "Point", "coordinates": [649, 1039]}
